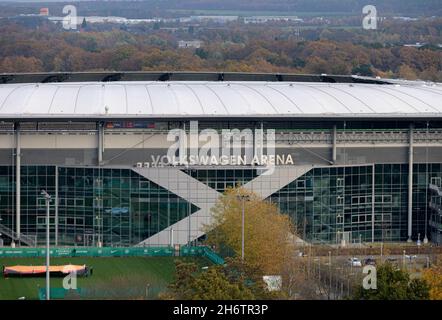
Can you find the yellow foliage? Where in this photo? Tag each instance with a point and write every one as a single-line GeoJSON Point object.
{"type": "Point", "coordinates": [267, 231]}
{"type": "Point", "coordinates": [433, 277]}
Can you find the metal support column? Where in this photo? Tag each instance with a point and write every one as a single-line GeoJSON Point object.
{"type": "Point", "coordinates": [373, 189]}
{"type": "Point", "coordinates": [100, 142]}
{"type": "Point", "coordinates": [410, 184]}
{"type": "Point", "coordinates": [334, 134]}
{"type": "Point", "coordinates": [56, 205]}
{"type": "Point", "coordinates": [17, 179]}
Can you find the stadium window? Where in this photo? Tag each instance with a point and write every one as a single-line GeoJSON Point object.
{"type": "Point", "coordinates": [144, 185]}
{"type": "Point", "coordinates": [386, 199]}
{"type": "Point", "coordinates": [339, 219]}
{"type": "Point", "coordinates": [340, 182]}
{"type": "Point", "coordinates": [300, 184]}
{"type": "Point", "coordinates": [436, 181]}
{"type": "Point", "coordinates": [340, 200]}
{"type": "Point", "coordinates": [41, 221]}
{"type": "Point", "coordinates": [98, 203]}
{"type": "Point", "coordinates": [98, 183]}
{"type": "Point", "coordinates": [355, 200]}
{"type": "Point", "coordinates": [41, 203]}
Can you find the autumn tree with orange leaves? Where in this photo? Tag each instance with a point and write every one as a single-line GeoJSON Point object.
{"type": "Point", "coordinates": [268, 233]}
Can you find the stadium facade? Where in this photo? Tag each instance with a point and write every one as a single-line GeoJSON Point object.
{"type": "Point", "coordinates": [356, 158]}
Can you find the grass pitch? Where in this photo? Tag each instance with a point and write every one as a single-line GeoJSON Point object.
{"type": "Point", "coordinates": [113, 278]}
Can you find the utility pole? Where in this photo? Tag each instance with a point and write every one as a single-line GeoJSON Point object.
{"type": "Point", "coordinates": [330, 274]}
{"type": "Point", "coordinates": [47, 200]}
{"type": "Point", "coordinates": [242, 198]}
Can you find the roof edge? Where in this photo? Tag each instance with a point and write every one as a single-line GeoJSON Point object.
{"type": "Point", "coordinates": [51, 77]}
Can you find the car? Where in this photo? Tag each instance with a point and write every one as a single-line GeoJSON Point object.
{"type": "Point", "coordinates": [370, 262]}
{"type": "Point", "coordinates": [302, 254]}
{"type": "Point", "coordinates": [355, 262]}
{"type": "Point", "coordinates": [390, 259]}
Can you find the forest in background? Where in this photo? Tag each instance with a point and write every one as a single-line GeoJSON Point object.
{"type": "Point", "coordinates": [333, 45]}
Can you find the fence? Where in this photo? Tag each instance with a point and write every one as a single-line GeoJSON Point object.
{"type": "Point", "coordinates": [111, 252]}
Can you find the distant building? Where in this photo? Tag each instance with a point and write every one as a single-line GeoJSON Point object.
{"type": "Point", "coordinates": [190, 44]}
{"type": "Point", "coordinates": [108, 19]}
{"type": "Point", "coordinates": [217, 19]}
{"type": "Point", "coordinates": [405, 18]}
{"type": "Point", "coordinates": [415, 45]}
{"type": "Point", "coordinates": [264, 19]}
{"type": "Point", "coordinates": [44, 12]}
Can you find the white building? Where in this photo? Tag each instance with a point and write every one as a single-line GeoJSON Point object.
{"type": "Point", "coordinates": [190, 44]}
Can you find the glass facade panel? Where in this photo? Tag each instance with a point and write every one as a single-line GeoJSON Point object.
{"type": "Point", "coordinates": [113, 206]}
{"type": "Point", "coordinates": [119, 207]}
{"type": "Point", "coordinates": [338, 201]}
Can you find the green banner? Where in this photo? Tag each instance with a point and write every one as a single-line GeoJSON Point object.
{"type": "Point", "coordinates": [185, 251]}
{"type": "Point", "coordinates": [87, 252]}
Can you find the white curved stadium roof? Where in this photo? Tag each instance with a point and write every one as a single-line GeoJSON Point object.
{"type": "Point", "coordinates": [178, 99]}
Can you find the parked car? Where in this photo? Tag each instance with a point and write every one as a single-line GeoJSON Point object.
{"type": "Point", "coordinates": [355, 262]}
{"type": "Point", "coordinates": [370, 262]}
{"type": "Point", "coordinates": [392, 261]}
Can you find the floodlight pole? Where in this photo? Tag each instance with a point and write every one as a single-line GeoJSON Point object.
{"type": "Point", "coordinates": [242, 230]}
{"type": "Point", "coordinates": [47, 200]}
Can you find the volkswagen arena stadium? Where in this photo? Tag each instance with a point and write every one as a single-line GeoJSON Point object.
{"type": "Point", "coordinates": [139, 159]}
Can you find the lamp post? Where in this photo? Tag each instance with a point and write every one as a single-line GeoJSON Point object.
{"type": "Point", "coordinates": [147, 290]}
{"type": "Point", "coordinates": [98, 226]}
{"type": "Point", "coordinates": [330, 274]}
{"type": "Point", "coordinates": [47, 200]}
{"type": "Point", "coordinates": [242, 198]}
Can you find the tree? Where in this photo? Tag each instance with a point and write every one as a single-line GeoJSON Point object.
{"type": "Point", "coordinates": [267, 233]}
{"type": "Point", "coordinates": [84, 24]}
{"type": "Point", "coordinates": [211, 284]}
{"type": "Point", "coordinates": [200, 52]}
{"type": "Point", "coordinates": [182, 286]}
{"type": "Point", "coordinates": [405, 72]}
{"type": "Point", "coordinates": [20, 64]}
{"type": "Point", "coordinates": [394, 284]}
{"type": "Point", "coordinates": [433, 277]}
{"type": "Point", "coordinates": [363, 70]}
{"type": "Point", "coordinates": [214, 285]}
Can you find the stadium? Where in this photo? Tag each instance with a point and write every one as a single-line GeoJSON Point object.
{"type": "Point", "coordinates": [357, 159]}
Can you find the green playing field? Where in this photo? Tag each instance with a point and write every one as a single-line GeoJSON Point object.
{"type": "Point", "coordinates": [112, 278]}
